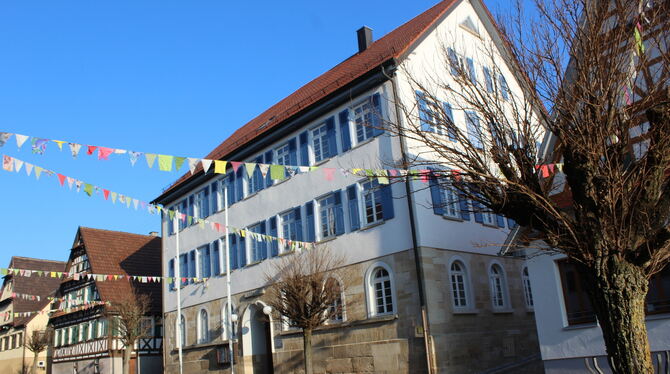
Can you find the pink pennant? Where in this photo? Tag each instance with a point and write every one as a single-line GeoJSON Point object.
{"type": "Point", "coordinates": [329, 173]}
{"type": "Point", "coordinates": [104, 152]}
{"type": "Point", "coordinates": [424, 175]}
{"type": "Point", "coordinates": [236, 165]}
{"type": "Point", "coordinates": [217, 227]}
{"type": "Point", "coordinates": [545, 171]}
{"type": "Point", "coordinates": [61, 179]}
{"type": "Point", "coordinates": [456, 174]}
{"type": "Point", "coordinates": [91, 149]}
{"type": "Point", "coordinates": [551, 168]}
{"type": "Point", "coordinates": [393, 172]}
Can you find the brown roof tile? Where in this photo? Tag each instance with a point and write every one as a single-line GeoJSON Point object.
{"type": "Point", "coordinates": [33, 285]}
{"type": "Point", "coordinates": [393, 45]}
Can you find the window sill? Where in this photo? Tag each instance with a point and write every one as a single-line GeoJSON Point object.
{"type": "Point", "coordinates": [321, 162]}
{"type": "Point", "coordinates": [465, 311]}
{"type": "Point", "coordinates": [201, 346]}
{"type": "Point", "coordinates": [286, 253]}
{"type": "Point", "coordinates": [372, 225]}
{"type": "Point", "coordinates": [503, 311]}
{"type": "Point", "coordinates": [363, 143]}
{"type": "Point", "coordinates": [253, 263]}
{"type": "Point", "coordinates": [326, 240]}
{"type": "Point", "coordinates": [449, 218]}
{"type": "Point", "coordinates": [250, 195]}
{"type": "Point", "coordinates": [658, 316]}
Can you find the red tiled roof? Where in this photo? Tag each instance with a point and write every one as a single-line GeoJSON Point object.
{"type": "Point", "coordinates": [115, 252]}
{"type": "Point", "coordinates": [393, 45]}
{"type": "Point", "coordinates": [34, 285]}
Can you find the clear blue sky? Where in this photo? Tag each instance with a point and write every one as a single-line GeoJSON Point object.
{"type": "Point", "coordinates": [169, 77]}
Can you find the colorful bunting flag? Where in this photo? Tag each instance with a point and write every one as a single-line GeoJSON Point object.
{"type": "Point", "coordinates": [20, 139]}
{"type": "Point", "coordinates": [220, 166]}
{"type": "Point", "coordinates": [165, 162]}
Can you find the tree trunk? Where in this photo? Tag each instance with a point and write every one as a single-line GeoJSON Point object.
{"type": "Point", "coordinates": [618, 290]}
{"type": "Point", "coordinates": [127, 353]}
{"type": "Point", "coordinates": [307, 352]}
{"type": "Point", "coordinates": [33, 368]}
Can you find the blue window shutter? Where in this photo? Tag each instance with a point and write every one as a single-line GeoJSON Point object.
{"type": "Point", "coordinates": [354, 216]}
{"type": "Point", "coordinates": [304, 155]}
{"type": "Point", "coordinates": [504, 89]}
{"type": "Point", "coordinates": [451, 126]}
{"type": "Point", "coordinates": [191, 265]}
{"type": "Point", "coordinates": [292, 152]}
{"type": "Point", "coordinates": [298, 225]}
{"type": "Point", "coordinates": [435, 193]}
{"type": "Point", "coordinates": [488, 79]}
{"type": "Point", "coordinates": [268, 159]}
{"type": "Point", "coordinates": [332, 138]}
{"type": "Point", "coordinates": [501, 220]}
{"type": "Point", "coordinates": [453, 61]}
{"type": "Point", "coordinates": [274, 245]}
{"type": "Point", "coordinates": [339, 213]}
{"type": "Point", "coordinates": [309, 216]}
{"type": "Point", "coordinates": [377, 117]}
{"type": "Point", "coordinates": [264, 243]}
{"type": "Point", "coordinates": [423, 111]}
{"type": "Point", "coordinates": [471, 70]}
{"type": "Point", "coordinates": [239, 184]}
{"type": "Point", "coordinates": [242, 250]}
{"type": "Point", "coordinates": [214, 202]}
{"type": "Point", "coordinates": [511, 223]}
{"type": "Point", "coordinates": [216, 268]}
{"type": "Point", "coordinates": [258, 176]}
{"type": "Point", "coordinates": [465, 209]}
{"type": "Point", "coordinates": [477, 208]}
{"type": "Point", "coordinates": [171, 273]}
{"type": "Point", "coordinates": [387, 202]}
{"type": "Point", "coordinates": [344, 130]}
{"type": "Point", "coordinates": [232, 252]}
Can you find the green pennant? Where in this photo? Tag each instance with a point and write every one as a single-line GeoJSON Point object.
{"type": "Point", "coordinates": [277, 172]}
{"type": "Point", "coordinates": [178, 162]}
{"type": "Point", "coordinates": [189, 220]}
{"type": "Point", "coordinates": [171, 213]}
{"type": "Point", "coordinates": [88, 188]}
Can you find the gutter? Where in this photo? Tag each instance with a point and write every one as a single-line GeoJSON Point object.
{"type": "Point", "coordinates": [413, 224]}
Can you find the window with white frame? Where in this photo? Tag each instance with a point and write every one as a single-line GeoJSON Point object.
{"type": "Point", "coordinates": [291, 225]}
{"type": "Point", "coordinates": [498, 287]}
{"type": "Point", "coordinates": [203, 327]}
{"type": "Point", "coordinates": [258, 247]}
{"type": "Point", "coordinates": [320, 145]}
{"type": "Point", "coordinates": [527, 292]}
{"type": "Point", "coordinates": [283, 155]}
{"type": "Point", "coordinates": [451, 201]}
{"type": "Point", "coordinates": [459, 289]}
{"type": "Point", "coordinates": [255, 181]}
{"type": "Point", "coordinates": [228, 327]}
{"type": "Point", "coordinates": [473, 129]}
{"type": "Point", "coordinates": [488, 217]}
{"type": "Point", "coordinates": [201, 206]}
{"type": "Point", "coordinates": [428, 114]}
{"type": "Point", "coordinates": [372, 201]}
{"type": "Point", "coordinates": [336, 309]}
{"type": "Point", "coordinates": [380, 288]}
{"type": "Point", "coordinates": [327, 216]}
{"type": "Point", "coordinates": [363, 121]}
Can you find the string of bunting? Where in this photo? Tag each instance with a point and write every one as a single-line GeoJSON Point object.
{"type": "Point", "coordinates": [12, 164]}
{"type": "Point", "coordinates": [166, 162]}
{"type": "Point", "coordinates": [95, 277]}
{"type": "Point", "coordinates": [82, 306]}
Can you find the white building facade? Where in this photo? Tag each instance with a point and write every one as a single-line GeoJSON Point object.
{"type": "Point", "coordinates": [406, 250]}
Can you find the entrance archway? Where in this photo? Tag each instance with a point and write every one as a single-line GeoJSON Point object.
{"type": "Point", "coordinates": [257, 339]}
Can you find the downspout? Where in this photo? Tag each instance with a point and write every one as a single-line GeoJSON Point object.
{"type": "Point", "coordinates": [412, 225]}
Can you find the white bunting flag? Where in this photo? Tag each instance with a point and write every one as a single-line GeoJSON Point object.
{"type": "Point", "coordinates": [206, 164]}
{"type": "Point", "coordinates": [192, 164]}
{"type": "Point", "coordinates": [20, 139]}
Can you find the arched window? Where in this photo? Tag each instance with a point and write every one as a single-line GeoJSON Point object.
{"type": "Point", "coordinates": [182, 332]}
{"type": "Point", "coordinates": [498, 287]}
{"type": "Point", "coordinates": [203, 327]}
{"type": "Point", "coordinates": [380, 290]}
{"type": "Point", "coordinates": [336, 309]}
{"type": "Point", "coordinates": [228, 331]}
{"type": "Point", "coordinates": [528, 295]}
{"type": "Point", "coordinates": [459, 287]}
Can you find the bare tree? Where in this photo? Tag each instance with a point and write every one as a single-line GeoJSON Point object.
{"type": "Point", "coordinates": [595, 190]}
{"type": "Point", "coordinates": [36, 343]}
{"type": "Point", "coordinates": [126, 318]}
{"type": "Point", "coordinates": [306, 289]}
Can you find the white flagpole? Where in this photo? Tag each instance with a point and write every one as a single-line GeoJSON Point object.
{"type": "Point", "coordinates": [229, 328]}
{"type": "Point", "coordinates": [178, 286]}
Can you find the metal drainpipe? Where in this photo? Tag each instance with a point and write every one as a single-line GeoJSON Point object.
{"type": "Point", "coordinates": [412, 224]}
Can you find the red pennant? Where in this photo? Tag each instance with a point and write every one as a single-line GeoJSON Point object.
{"type": "Point", "coordinates": [551, 168]}
{"type": "Point", "coordinates": [456, 174]}
{"type": "Point", "coordinates": [61, 179]}
{"type": "Point", "coordinates": [424, 175]}
{"type": "Point", "coordinates": [545, 171]}
{"type": "Point", "coordinates": [236, 165]}
{"type": "Point", "coordinates": [217, 226]}
{"type": "Point", "coordinates": [91, 149]}
{"type": "Point", "coordinates": [329, 173]}
{"type": "Point", "coordinates": [106, 194]}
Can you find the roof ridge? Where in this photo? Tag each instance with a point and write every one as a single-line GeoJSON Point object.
{"type": "Point", "coordinates": [118, 232]}
{"type": "Point", "coordinates": [37, 259]}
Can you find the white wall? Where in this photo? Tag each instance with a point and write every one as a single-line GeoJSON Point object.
{"type": "Point", "coordinates": [557, 339]}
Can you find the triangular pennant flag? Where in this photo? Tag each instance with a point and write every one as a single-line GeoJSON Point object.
{"type": "Point", "coordinates": [135, 203]}
{"type": "Point", "coordinates": [105, 193]}
{"type": "Point", "coordinates": [104, 152]}
{"type": "Point", "coordinates": [120, 151]}
{"type": "Point", "coordinates": [134, 156]}
{"type": "Point", "coordinates": [206, 164]}
{"type": "Point", "coordinates": [18, 164]}
{"type": "Point", "coordinates": [277, 172]}
{"type": "Point", "coordinates": [551, 168]}
{"type": "Point", "coordinates": [60, 144]}
{"type": "Point", "coordinates": [192, 164]}
{"type": "Point", "coordinates": [382, 179]}
{"type": "Point", "coordinates": [114, 196]}
{"type": "Point", "coordinates": [90, 149]}
{"type": "Point", "coordinates": [264, 169]}
{"type": "Point", "coordinates": [545, 171]}
{"type": "Point", "coordinates": [61, 179]}
{"type": "Point", "coordinates": [74, 149]}
{"type": "Point", "coordinates": [29, 168]}
{"type": "Point", "coordinates": [78, 184]}
{"type": "Point", "coordinates": [559, 166]}
{"type": "Point", "coordinates": [38, 172]}
{"type": "Point", "coordinates": [4, 137]}
{"type": "Point", "coordinates": [220, 166]}
{"type": "Point", "coordinates": [150, 159]}
{"type": "Point", "coordinates": [128, 201]}
{"type": "Point", "coordinates": [165, 162]}
{"type": "Point", "coordinates": [171, 213]}
{"type": "Point", "coordinates": [329, 173]}
{"type": "Point", "coordinates": [39, 146]}
{"type": "Point", "coordinates": [20, 139]}
{"type": "Point", "coordinates": [178, 162]}
{"type": "Point", "coordinates": [236, 165]}
{"type": "Point", "coordinates": [251, 168]}
{"type": "Point", "coordinates": [70, 181]}
{"type": "Point", "coordinates": [88, 188]}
